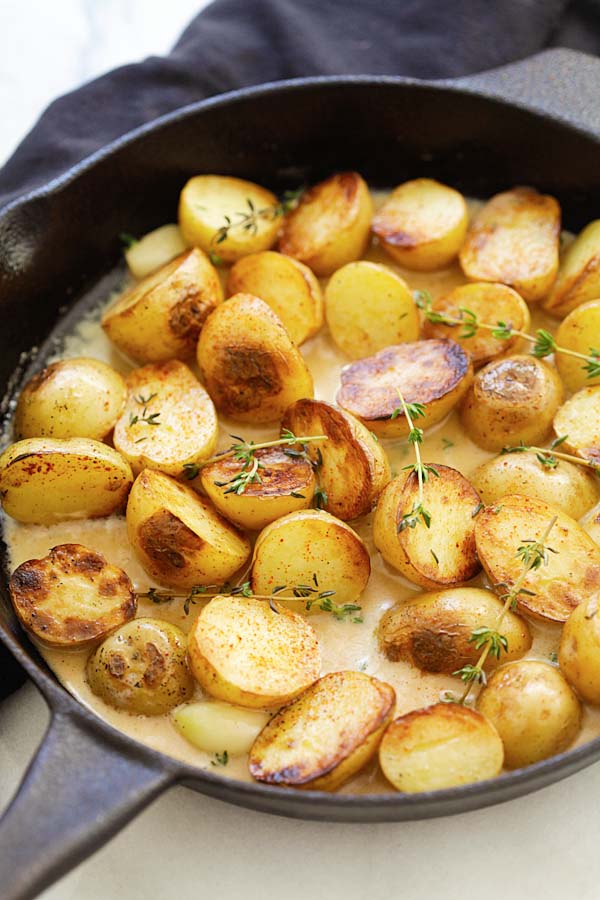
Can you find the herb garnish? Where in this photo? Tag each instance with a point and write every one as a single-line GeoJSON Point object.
{"type": "Point", "coordinates": [221, 759]}
{"type": "Point", "coordinates": [145, 417]}
{"type": "Point", "coordinates": [549, 458]}
{"type": "Point", "coordinates": [418, 513]}
{"type": "Point", "coordinates": [248, 219]}
{"type": "Point", "coordinates": [128, 240]}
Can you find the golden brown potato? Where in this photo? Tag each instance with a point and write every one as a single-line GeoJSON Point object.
{"type": "Point", "coordinates": [211, 206]}
{"type": "Point", "coordinates": [330, 226]}
{"type": "Point", "coordinates": [368, 307]}
{"type": "Point", "coordinates": [286, 285]}
{"type": "Point", "coordinates": [243, 651]}
{"type": "Point", "coordinates": [512, 401]}
{"type": "Point", "coordinates": [432, 631]}
{"type": "Point", "coordinates": [422, 224]}
{"type": "Point", "coordinates": [534, 710]}
{"type": "Point", "coordinates": [215, 727]}
{"type": "Point", "coordinates": [491, 303]}
{"type": "Point", "coordinates": [442, 746]}
{"type": "Point", "coordinates": [160, 317]}
{"type": "Point", "coordinates": [579, 274]}
{"type": "Point", "coordinates": [572, 573]}
{"type": "Point", "coordinates": [326, 736]}
{"type": "Point", "coordinates": [310, 547]}
{"type": "Point", "coordinates": [251, 368]}
{"type": "Point", "coordinates": [514, 239]}
{"type": "Point", "coordinates": [434, 556]}
{"type": "Point", "coordinates": [169, 420]}
{"type": "Point", "coordinates": [580, 331]}
{"type": "Point", "coordinates": [71, 398]}
{"type": "Point", "coordinates": [352, 466]}
{"type": "Point", "coordinates": [154, 250]}
{"type": "Point", "coordinates": [569, 487]}
{"type": "Point", "coordinates": [142, 668]}
{"type": "Point", "coordinates": [286, 484]}
{"type": "Point", "coordinates": [436, 373]}
{"type": "Point", "coordinates": [72, 597]}
{"type": "Point", "coordinates": [46, 480]}
{"type": "Point", "coordinates": [178, 537]}
{"type": "Point", "coordinates": [579, 651]}
{"type": "Point", "coordinates": [579, 420]}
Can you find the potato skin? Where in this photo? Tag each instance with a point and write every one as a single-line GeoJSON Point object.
{"type": "Point", "coordinates": [579, 275]}
{"type": "Point", "coordinates": [142, 668]}
{"type": "Point", "coordinates": [432, 630]}
{"type": "Point", "coordinates": [534, 710]}
{"type": "Point", "coordinates": [436, 373]}
{"type": "Point", "coordinates": [71, 398]}
{"type": "Point", "coordinates": [71, 598]}
{"type": "Point", "coordinates": [325, 736]}
{"type": "Point", "coordinates": [442, 746]}
{"type": "Point", "coordinates": [251, 368]}
{"type": "Point", "coordinates": [330, 226]}
{"type": "Point", "coordinates": [510, 401]}
{"type": "Point", "coordinates": [579, 331]}
{"type": "Point", "coordinates": [579, 650]}
{"type": "Point", "coordinates": [579, 419]}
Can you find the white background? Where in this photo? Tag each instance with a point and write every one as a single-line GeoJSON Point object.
{"type": "Point", "coordinates": [186, 846]}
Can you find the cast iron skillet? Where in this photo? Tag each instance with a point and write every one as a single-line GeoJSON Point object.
{"type": "Point", "coordinates": [536, 122]}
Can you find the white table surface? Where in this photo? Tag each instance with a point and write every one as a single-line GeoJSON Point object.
{"type": "Point", "coordinates": [187, 846]}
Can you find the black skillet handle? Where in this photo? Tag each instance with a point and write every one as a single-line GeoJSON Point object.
{"type": "Point", "coordinates": [79, 790]}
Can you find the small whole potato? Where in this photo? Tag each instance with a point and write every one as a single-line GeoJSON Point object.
{"type": "Point", "coordinates": [579, 651]}
{"type": "Point", "coordinates": [579, 275]}
{"type": "Point", "coordinates": [534, 710]}
{"type": "Point", "coordinates": [142, 668]}
{"type": "Point", "coordinates": [579, 331]}
{"type": "Point", "coordinates": [153, 250]}
{"type": "Point", "coordinates": [578, 419]}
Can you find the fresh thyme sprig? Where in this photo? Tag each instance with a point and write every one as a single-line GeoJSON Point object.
{"type": "Point", "coordinates": [145, 417]}
{"type": "Point", "coordinates": [248, 219]}
{"type": "Point", "coordinates": [221, 759]}
{"type": "Point", "coordinates": [128, 240]}
{"type": "Point", "coordinates": [550, 457]}
{"type": "Point", "coordinates": [418, 513]}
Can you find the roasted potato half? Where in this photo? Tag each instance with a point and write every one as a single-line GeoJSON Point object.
{"type": "Point", "coordinates": [579, 275]}
{"type": "Point", "coordinates": [442, 746]}
{"type": "Point", "coordinates": [579, 651]}
{"type": "Point", "coordinates": [169, 420]}
{"type": "Point", "coordinates": [436, 373]}
{"type": "Point", "coordinates": [142, 668]}
{"type": "Point", "coordinates": [579, 420]}
{"type": "Point", "coordinates": [286, 285]}
{"type": "Point", "coordinates": [514, 239]}
{"type": "Point", "coordinates": [353, 467]}
{"type": "Point", "coordinates": [243, 651]}
{"type": "Point", "coordinates": [580, 331]}
{"type": "Point", "coordinates": [512, 401]}
{"type": "Point", "coordinates": [422, 224]}
{"type": "Point", "coordinates": [46, 480]}
{"type": "Point", "coordinates": [251, 368]}
{"type": "Point", "coordinates": [179, 538]}
{"type": "Point", "coordinates": [153, 250]}
{"type": "Point", "coordinates": [572, 572]}
{"type": "Point", "coordinates": [330, 226]}
{"type": "Point", "coordinates": [438, 555]}
{"type": "Point", "coordinates": [71, 398]}
{"type": "Point", "coordinates": [286, 485]}
{"type": "Point", "coordinates": [71, 598]}
{"type": "Point", "coordinates": [325, 736]}
{"type": "Point", "coordinates": [160, 317]}
{"type": "Point", "coordinates": [368, 307]}
{"type": "Point", "coordinates": [214, 726]}
{"type": "Point", "coordinates": [490, 303]}
{"type": "Point", "coordinates": [433, 631]}
{"type": "Point", "coordinates": [228, 216]}
{"type": "Point", "coordinates": [534, 710]}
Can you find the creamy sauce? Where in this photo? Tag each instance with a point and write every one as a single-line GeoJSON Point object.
{"type": "Point", "coordinates": [343, 645]}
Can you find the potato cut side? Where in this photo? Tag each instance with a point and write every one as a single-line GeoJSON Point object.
{"type": "Point", "coordinates": [251, 368]}
{"type": "Point", "coordinates": [512, 401]}
{"type": "Point", "coordinates": [330, 226]}
{"type": "Point", "coordinates": [580, 331]}
{"type": "Point", "coordinates": [368, 307]}
{"type": "Point", "coordinates": [169, 420]}
{"type": "Point", "coordinates": [153, 250]}
{"type": "Point", "coordinates": [179, 538]}
{"type": "Point", "coordinates": [490, 303]}
{"type": "Point", "coordinates": [514, 239]}
{"type": "Point", "coordinates": [579, 651]}
{"type": "Point", "coordinates": [286, 484]}
{"type": "Point", "coordinates": [71, 598]}
{"type": "Point", "coordinates": [353, 468]}
{"type": "Point", "coordinates": [245, 652]}
{"type": "Point", "coordinates": [72, 398]}
{"type": "Point", "coordinates": [422, 224]}
{"type": "Point", "coordinates": [327, 735]}
{"type": "Point", "coordinates": [434, 556]}
{"type": "Point", "coordinates": [442, 746]}
{"type": "Point", "coordinates": [572, 573]}
{"type": "Point", "coordinates": [579, 275]}
{"type": "Point", "coordinates": [248, 213]}
{"type": "Point", "coordinates": [286, 285]}
{"type": "Point", "coordinates": [160, 318]}
{"type": "Point", "coordinates": [579, 420]}
{"type": "Point", "coordinates": [436, 373]}
{"type": "Point", "coordinates": [313, 548]}
{"type": "Point", "coordinates": [142, 668]}
{"type": "Point", "coordinates": [217, 727]}
{"type": "Point", "coordinates": [432, 631]}
{"type": "Point", "coordinates": [46, 480]}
